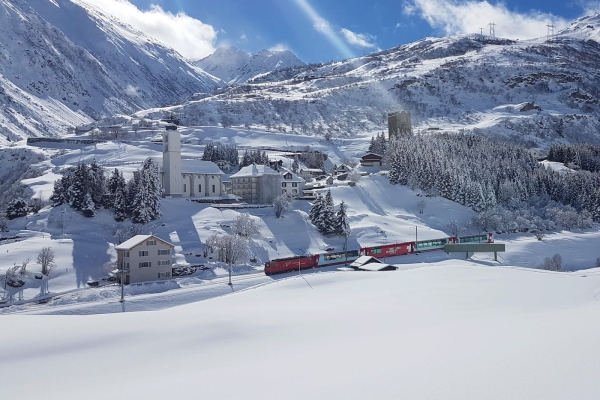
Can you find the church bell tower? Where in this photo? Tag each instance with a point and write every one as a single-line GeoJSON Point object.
{"type": "Point", "coordinates": [172, 180]}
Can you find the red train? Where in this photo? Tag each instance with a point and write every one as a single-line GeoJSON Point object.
{"type": "Point", "coordinates": [389, 250]}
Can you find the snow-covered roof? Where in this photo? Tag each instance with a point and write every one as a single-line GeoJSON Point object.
{"type": "Point", "coordinates": [137, 239]}
{"type": "Point", "coordinates": [294, 178]}
{"type": "Point", "coordinates": [194, 166]}
{"type": "Point", "coordinates": [254, 170]}
{"type": "Point", "coordinates": [377, 267]}
{"type": "Point", "coordinates": [363, 260]}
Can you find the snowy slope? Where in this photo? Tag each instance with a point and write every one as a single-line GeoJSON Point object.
{"type": "Point", "coordinates": [451, 331]}
{"type": "Point", "coordinates": [235, 66]}
{"type": "Point", "coordinates": [472, 82]}
{"type": "Point", "coordinates": [64, 62]}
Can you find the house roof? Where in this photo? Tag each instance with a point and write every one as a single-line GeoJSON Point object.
{"type": "Point", "coordinates": [254, 170]}
{"type": "Point", "coordinates": [364, 260]}
{"type": "Point", "coordinates": [194, 166]}
{"type": "Point", "coordinates": [137, 239]}
{"type": "Point", "coordinates": [294, 178]}
{"type": "Point", "coordinates": [371, 156]}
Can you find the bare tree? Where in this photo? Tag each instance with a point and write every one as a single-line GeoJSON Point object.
{"type": "Point", "coordinates": [350, 162]}
{"type": "Point", "coordinates": [232, 248]}
{"type": "Point", "coordinates": [245, 226]}
{"type": "Point", "coordinates": [123, 233]}
{"type": "Point", "coordinates": [281, 203]}
{"type": "Point", "coordinates": [354, 176]}
{"type": "Point", "coordinates": [454, 226]}
{"type": "Point", "coordinates": [552, 264]}
{"type": "Point", "coordinates": [46, 259]}
{"type": "Point", "coordinates": [421, 206]}
{"type": "Point", "coordinates": [23, 268]}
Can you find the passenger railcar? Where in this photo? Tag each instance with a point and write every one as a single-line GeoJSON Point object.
{"type": "Point", "coordinates": [337, 258]}
{"type": "Point", "coordinates": [388, 250]}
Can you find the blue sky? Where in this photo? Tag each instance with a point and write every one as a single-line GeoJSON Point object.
{"type": "Point", "coordinates": [325, 30]}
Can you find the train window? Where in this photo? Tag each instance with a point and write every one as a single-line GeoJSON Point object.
{"type": "Point", "coordinates": [353, 253]}
{"type": "Point", "coordinates": [376, 251]}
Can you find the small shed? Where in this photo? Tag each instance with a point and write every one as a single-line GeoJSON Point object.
{"type": "Point", "coordinates": [371, 160]}
{"type": "Point", "coordinates": [329, 180]}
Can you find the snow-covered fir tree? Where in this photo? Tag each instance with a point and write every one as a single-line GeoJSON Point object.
{"type": "Point", "coordinates": [342, 227]}
{"type": "Point", "coordinates": [17, 208]}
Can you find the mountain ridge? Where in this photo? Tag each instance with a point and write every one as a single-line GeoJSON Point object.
{"type": "Point", "coordinates": [235, 66]}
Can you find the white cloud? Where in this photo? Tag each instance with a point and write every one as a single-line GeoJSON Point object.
{"type": "Point", "coordinates": [279, 47]}
{"type": "Point", "coordinates": [358, 39]}
{"type": "Point", "coordinates": [243, 37]}
{"type": "Point", "coordinates": [453, 17]}
{"type": "Point", "coordinates": [322, 25]}
{"type": "Point", "coordinates": [190, 37]}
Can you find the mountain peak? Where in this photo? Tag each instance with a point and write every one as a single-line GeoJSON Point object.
{"type": "Point", "coordinates": [235, 66]}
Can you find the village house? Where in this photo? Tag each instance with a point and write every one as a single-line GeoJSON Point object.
{"type": "Point", "coordinates": [256, 184]}
{"type": "Point", "coordinates": [371, 160]}
{"type": "Point", "coordinates": [186, 178]}
{"type": "Point", "coordinates": [342, 169]}
{"type": "Point", "coordinates": [315, 172]}
{"type": "Point", "coordinates": [292, 184]}
{"type": "Point", "coordinates": [145, 258]}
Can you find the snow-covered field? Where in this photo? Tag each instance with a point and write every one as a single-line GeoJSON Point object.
{"type": "Point", "coordinates": [438, 327]}
{"type": "Point", "coordinates": [452, 330]}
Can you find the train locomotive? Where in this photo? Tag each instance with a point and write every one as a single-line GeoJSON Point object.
{"type": "Point", "coordinates": [298, 263]}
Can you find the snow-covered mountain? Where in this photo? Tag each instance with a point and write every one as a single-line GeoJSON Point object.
{"type": "Point", "coordinates": [235, 66]}
{"type": "Point", "coordinates": [534, 91]}
{"type": "Point", "coordinates": [64, 62]}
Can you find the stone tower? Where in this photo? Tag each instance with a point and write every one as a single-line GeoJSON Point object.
{"type": "Point", "coordinates": [399, 124]}
{"type": "Point", "coordinates": [172, 182]}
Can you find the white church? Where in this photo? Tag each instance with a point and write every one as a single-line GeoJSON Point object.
{"type": "Point", "coordinates": [186, 178]}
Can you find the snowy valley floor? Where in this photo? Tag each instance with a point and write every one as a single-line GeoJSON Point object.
{"type": "Point", "coordinates": [452, 330]}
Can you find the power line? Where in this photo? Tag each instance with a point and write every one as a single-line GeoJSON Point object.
{"type": "Point", "coordinates": [550, 32]}
{"type": "Point", "coordinates": [492, 26]}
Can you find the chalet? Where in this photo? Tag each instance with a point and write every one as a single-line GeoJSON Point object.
{"type": "Point", "coordinates": [292, 184]}
{"type": "Point", "coordinates": [343, 169]}
{"type": "Point", "coordinates": [145, 258]}
{"type": "Point", "coordinates": [371, 160]}
{"type": "Point", "coordinates": [329, 180]}
{"type": "Point", "coordinates": [256, 184]}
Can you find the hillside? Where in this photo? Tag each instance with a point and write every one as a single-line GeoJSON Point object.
{"type": "Point", "coordinates": [532, 91]}
{"type": "Point", "coordinates": [65, 63]}
{"type": "Point", "coordinates": [235, 66]}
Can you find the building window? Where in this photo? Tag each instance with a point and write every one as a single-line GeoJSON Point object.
{"type": "Point", "coordinates": [295, 191]}
{"type": "Point", "coordinates": [164, 275]}
{"type": "Point", "coordinates": [126, 254]}
{"type": "Point", "coordinates": [294, 184]}
{"type": "Point", "coordinates": [199, 188]}
{"type": "Point", "coordinates": [164, 252]}
{"type": "Point", "coordinates": [283, 190]}
{"type": "Point", "coordinates": [213, 188]}
{"type": "Point", "coordinates": [127, 266]}
{"type": "Point", "coordinates": [184, 188]}
{"type": "Point", "coordinates": [283, 184]}
{"type": "Point", "coordinates": [164, 262]}
{"type": "Point", "coordinates": [150, 242]}
{"type": "Point", "coordinates": [143, 253]}
{"type": "Point", "coordinates": [145, 264]}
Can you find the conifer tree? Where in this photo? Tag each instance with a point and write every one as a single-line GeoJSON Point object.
{"type": "Point", "coordinates": [342, 227]}
{"type": "Point", "coordinates": [120, 206]}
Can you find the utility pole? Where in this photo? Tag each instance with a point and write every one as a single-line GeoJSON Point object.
{"type": "Point", "coordinates": [481, 31]}
{"type": "Point", "coordinates": [122, 282]}
{"type": "Point", "coordinates": [416, 240]}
